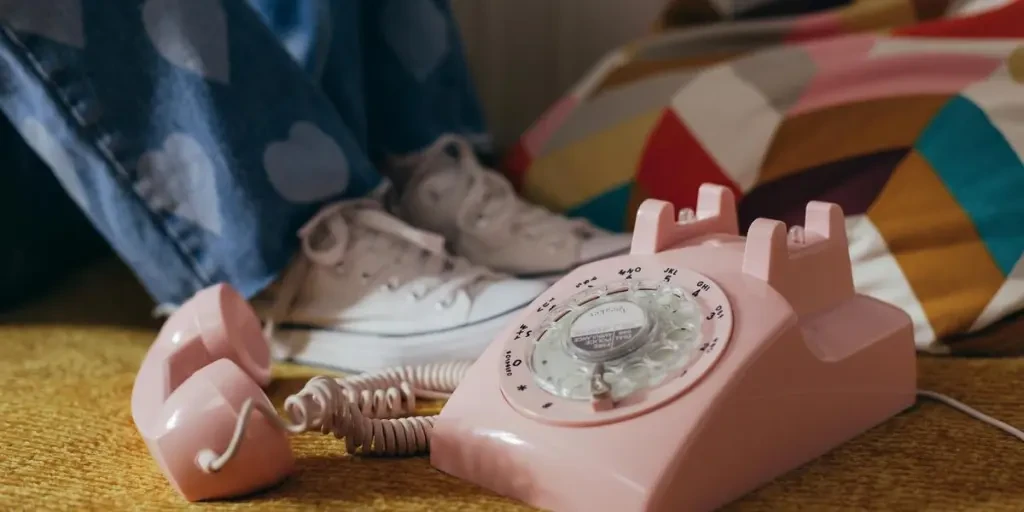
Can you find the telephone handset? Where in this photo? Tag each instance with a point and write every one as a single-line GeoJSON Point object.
{"type": "Point", "coordinates": [678, 377]}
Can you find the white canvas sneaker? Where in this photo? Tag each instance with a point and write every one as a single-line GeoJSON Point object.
{"type": "Point", "coordinates": [484, 220]}
{"type": "Point", "coordinates": [368, 291]}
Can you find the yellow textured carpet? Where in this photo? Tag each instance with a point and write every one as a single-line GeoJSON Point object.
{"type": "Point", "coordinates": [67, 441]}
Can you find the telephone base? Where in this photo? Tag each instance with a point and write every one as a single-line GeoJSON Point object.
{"type": "Point", "coordinates": [771, 405]}
{"type": "Point", "coordinates": [731, 360]}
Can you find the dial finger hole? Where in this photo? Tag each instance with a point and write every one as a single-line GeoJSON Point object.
{"type": "Point", "coordinates": [661, 355]}
{"type": "Point", "coordinates": [617, 289]}
{"type": "Point", "coordinates": [638, 373]}
{"type": "Point", "coordinates": [623, 388]}
{"type": "Point", "coordinates": [649, 285]}
{"type": "Point", "coordinates": [576, 385]}
{"type": "Point", "coordinates": [553, 381]}
{"type": "Point", "coordinates": [612, 377]}
{"type": "Point", "coordinates": [658, 376]}
{"type": "Point", "coordinates": [545, 349]}
{"type": "Point", "coordinates": [682, 360]}
{"type": "Point", "coordinates": [680, 335]}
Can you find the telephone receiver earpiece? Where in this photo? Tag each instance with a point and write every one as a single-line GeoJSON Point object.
{"type": "Point", "coordinates": [199, 405]}
{"type": "Point", "coordinates": [207, 361]}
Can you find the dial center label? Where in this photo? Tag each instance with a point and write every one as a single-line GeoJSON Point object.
{"type": "Point", "coordinates": [608, 327]}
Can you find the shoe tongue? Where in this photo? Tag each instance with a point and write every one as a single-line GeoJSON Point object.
{"type": "Point", "coordinates": [337, 229]}
{"type": "Point", "coordinates": [450, 266]}
{"type": "Point", "coordinates": [434, 197]}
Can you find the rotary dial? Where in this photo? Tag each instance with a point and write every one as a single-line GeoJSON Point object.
{"type": "Point", "coordinates": [603, 347]}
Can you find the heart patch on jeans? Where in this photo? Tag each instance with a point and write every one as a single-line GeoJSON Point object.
{"type": "Point", "coordinates": [180, 178]}
{"type": "Point", "coordinates": [307, 167]}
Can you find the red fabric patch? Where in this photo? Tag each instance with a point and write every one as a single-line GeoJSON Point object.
{"type": "Point", "coordinates": [674, 165]}
{"type": "Point", "coordinates": [516, 163]}
{"type": "Point", "coordinates": [1005, 22]}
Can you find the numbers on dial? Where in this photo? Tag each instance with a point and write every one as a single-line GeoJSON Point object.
{"type": "Point", "coordinates": [701, 286]}
{"type": "Point", "coordinates": [547, 304]}
{"type": "Point", "coordinates": [669, 273]}
{"type": "Point", "coordinates": [628, 272]}
{"type": "Point", "coordinates": [708, 346]}
{"type": "Point", "coordinates": [524, 332]}
{"type": "Point", "coordinates": [718, 312]}
{"type": "Point", "coordinates": [586, 283]}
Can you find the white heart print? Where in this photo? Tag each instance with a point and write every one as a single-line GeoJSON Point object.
{"type": "Point", "coordinates": [417, 32]}
{"type": "Point", "coordinates": [56, 157]}
{"type": "Point", "coordinates": [180, 179]}
{"type": "Point", "coordinates": [191, 34]}
{"type": "Point", "coordinates": [307, 167]}
{"type": "Point", "coordinates": [59, 20]}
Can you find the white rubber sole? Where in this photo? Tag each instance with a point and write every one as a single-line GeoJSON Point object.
{"type": "Point", "coordinates": [362, 352]}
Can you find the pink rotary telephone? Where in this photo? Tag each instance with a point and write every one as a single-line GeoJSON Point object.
{"type": "Point", "coordinates": [678, 377]}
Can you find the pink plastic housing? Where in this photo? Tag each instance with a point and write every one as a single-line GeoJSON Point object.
{"type": "Point", "coordinates": [809, 365]}
{"type": "Point", "coordinates": [209, 357]}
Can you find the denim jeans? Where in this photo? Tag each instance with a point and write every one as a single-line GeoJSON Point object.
{"type": "Point", "coordinates": [198, 135]}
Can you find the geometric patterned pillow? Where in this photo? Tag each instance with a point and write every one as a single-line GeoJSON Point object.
{"type": "Point", "coordinates": [912, 122]}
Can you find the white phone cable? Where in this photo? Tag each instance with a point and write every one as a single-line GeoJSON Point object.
{"type": "Point", "coordinates": [371, 411]}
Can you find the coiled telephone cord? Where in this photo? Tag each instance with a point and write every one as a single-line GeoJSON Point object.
{"type": "Point", "coordinates": [368, 410]}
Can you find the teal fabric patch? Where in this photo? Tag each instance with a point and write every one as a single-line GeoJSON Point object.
{"type": "Point", "coordinates": [983, 173]}
{"type": "Point", "coordinates": [607, 210]}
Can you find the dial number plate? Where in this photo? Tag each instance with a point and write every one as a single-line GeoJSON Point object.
{"type": "Point", "coordinates": [639, 335]}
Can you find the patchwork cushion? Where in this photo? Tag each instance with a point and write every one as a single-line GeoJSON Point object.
{"type": "Point", "coordinates": [909, 120]}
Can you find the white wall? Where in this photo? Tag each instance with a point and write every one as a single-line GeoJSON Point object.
{"type": "Point", "coordinates": [525, 53]}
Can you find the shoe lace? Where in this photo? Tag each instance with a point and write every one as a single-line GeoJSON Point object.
{"type": "Point", "coordinates": [358, 236]}
{"type": "Point", "coordinates": [491, 201]}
